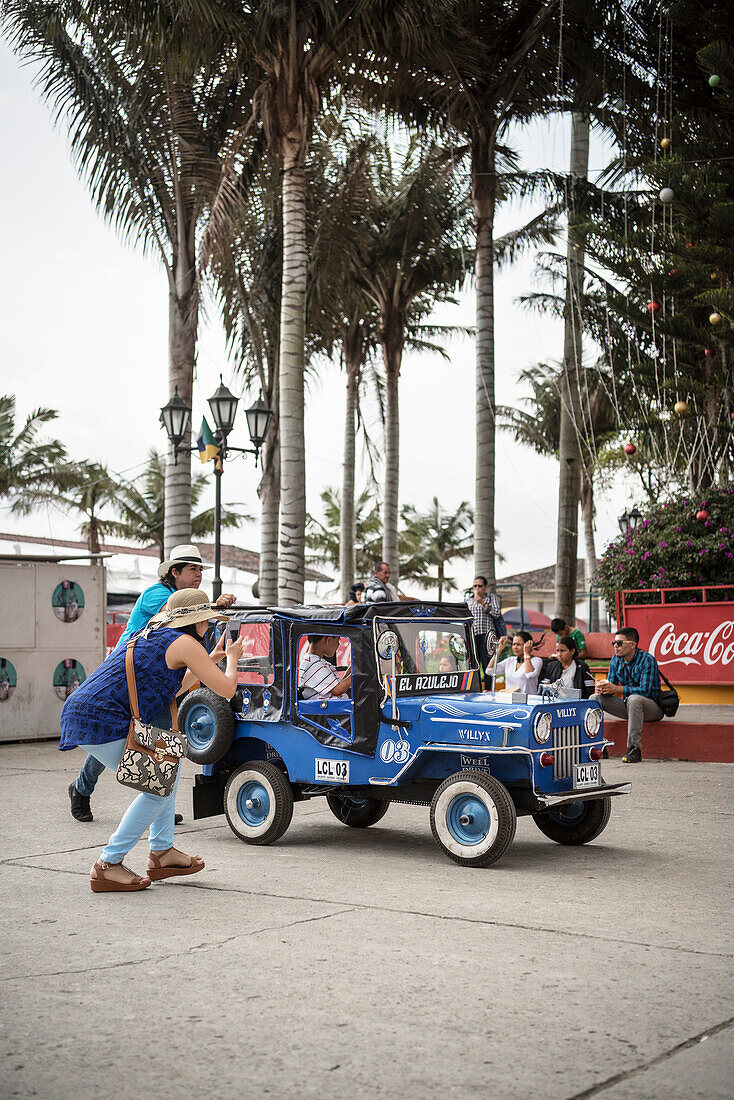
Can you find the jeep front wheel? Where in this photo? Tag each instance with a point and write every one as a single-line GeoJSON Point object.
{"type": "Point", "coordinates": [258, 802]}
{"type": "Point", "coordinates": [473, 818]}
{"type": "Point", "coordinates": [576, 822]}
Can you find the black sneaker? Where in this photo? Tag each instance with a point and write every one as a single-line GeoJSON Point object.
{"type": "Point", "coordinates": [632, 756]}
{"type": "Point", "coordinates": [79, 804]}
{"type": "Point", "coordinates": [177, 819]}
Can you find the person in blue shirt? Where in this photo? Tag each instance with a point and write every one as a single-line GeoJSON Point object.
{"type": "Point", "coordinates": [632, 689]}
{"type": "Point", "coordinates": [184, 569]}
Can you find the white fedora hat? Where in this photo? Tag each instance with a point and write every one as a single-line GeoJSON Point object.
{"type": "Point", "coordinates": [185, 554]}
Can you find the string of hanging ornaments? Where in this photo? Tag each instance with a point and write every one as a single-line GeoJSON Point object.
{"type": "Point", "coordinates": [675, 431]}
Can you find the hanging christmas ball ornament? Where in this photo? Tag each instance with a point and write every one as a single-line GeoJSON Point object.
{"type": "Point", "coordinates": [715, 318]}
{"type": "Point", "coordinates": [709, 353]}
{"type": "Point", "coordinates": [665, 143]}
{"type": "Point", "coordinates": [629, 449]}
{"type": "Point", "coordinates": [653, 307]}
{"type": "Point", "coordinates": [680, 408]}
{"type": "Point", "coordinates": [691, 244]}
{"type": "Point", "coordinates": [577, 248]}
{"type": "Point", "coordinates": [714, 80]}
{"type": "Point", "coordinates": [673, 271]}
{"type": "Point", "coordinates": [702, 515]}
{"type": "Point", "coordinates": [666, 194]}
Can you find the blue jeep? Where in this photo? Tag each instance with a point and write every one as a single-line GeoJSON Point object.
{"type": "Point", "coordinates": [415, 727]}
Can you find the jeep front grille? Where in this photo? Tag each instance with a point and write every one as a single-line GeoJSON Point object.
{"type": "Point", "coordinates": [566, 745]}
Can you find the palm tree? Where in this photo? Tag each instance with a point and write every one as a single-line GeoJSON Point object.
{"type": "Point", "coordinates": [506, 74]}
{"type": "Point", "coordinates": [25, 461]}
{"type": "Point", "coordinates": [151, 104]}
{"type": "Point", "coordinates": [303, 50]}
{"type": "Point", "coordinates": [539, 426]}
{"type": "Point", "coordinates": [434, 538]}
{"type": "Point", "coordinates": [141, 504]}
{"type": "Point", "coordinates": [323, 537]}
{"type": "Point", "coordinates": [412, 256]}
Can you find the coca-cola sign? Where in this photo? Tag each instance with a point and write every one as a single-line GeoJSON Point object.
{"type": "Point", "coordinates": [692, 644]}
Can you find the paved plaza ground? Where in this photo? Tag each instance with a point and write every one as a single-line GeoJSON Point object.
{"type": "Point", "coordinates": [349, 963]}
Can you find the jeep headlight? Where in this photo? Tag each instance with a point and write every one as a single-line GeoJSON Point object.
{"type": "Point", "coordinates": [542, 727]}
{"type": "Point", "coordinates": [592, 721]}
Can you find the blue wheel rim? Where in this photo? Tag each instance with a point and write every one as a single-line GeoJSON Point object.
{"type": "Point", "coordinates": [570, 814]}
{"type": "Point", "coordinates": [259, 809]}
{"type": "Point", "coordinates": [199, 726]}
{"type": "Point", "coordinates": [475, 828]}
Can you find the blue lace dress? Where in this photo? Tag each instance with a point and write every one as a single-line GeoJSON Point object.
{"type": "Point", "coordinates": [99, 710]}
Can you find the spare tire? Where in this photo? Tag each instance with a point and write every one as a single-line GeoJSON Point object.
{"type": "Point", "coordinates": [208, 722]}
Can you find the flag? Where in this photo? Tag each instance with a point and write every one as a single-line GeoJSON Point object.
{"type": "Point", "coordinates": [207, 444]}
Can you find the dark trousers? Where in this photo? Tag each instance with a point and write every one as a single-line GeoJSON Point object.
{"type": "Point", "coordinates": [480, 642]}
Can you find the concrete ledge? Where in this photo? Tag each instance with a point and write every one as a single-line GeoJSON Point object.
{"type": "Point", "coordinates": [702, 733]}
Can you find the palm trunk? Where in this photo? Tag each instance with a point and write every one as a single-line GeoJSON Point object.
{"type": "Point", "coordinates": [483, 201]}
{"type": "Point", "coordinates": [586, 491]}
{"type": "Point", "coordinates": [292, 340]}
{"type": "Point", "coordinates": [568, 452]}
{"type": "Point", "coordinates": [182, 332]}
{"type": "Point", "coordinates": [391, 337]}
{"type": "Point", "coordinates": [353, 346]}
{"type": "Point", "coordinates": [269, 493]}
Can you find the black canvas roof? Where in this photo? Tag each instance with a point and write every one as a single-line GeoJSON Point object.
{"type": "Point", "coordinates": [360, 613]}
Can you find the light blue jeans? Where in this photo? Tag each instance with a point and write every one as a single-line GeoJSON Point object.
{"type": "Point", "coordinates": [146, 811]}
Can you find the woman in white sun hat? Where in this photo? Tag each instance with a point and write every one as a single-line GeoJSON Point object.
{"type": "Point", "coordinates": [168, 657]}
{"type": "Point", "coordinates": [183, 569]}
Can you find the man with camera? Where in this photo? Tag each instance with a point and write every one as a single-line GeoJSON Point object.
{"type": "Point", "coordinates": [632, 689]}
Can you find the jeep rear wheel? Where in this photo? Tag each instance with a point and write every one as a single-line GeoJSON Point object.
{"type": "Point", "coordinates": [258, 802]}
{"type": "Point", "coordinates": [358, 813]}
{"type": "Point", "coordinates": [576, 822]}
{"type": "Point", "coordinates": [473, 818]}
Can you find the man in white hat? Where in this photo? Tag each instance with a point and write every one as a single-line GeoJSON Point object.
{"type": "Point", "coordinates": [184, 569]}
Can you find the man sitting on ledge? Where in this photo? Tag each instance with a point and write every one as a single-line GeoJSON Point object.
{"type": "Point", "coordinates": [632, 689]}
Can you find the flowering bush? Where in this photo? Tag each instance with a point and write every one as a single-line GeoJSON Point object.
{"type": "Point", "coordinates": [670, 547]}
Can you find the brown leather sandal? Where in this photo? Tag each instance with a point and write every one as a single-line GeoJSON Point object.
{"type": "Point", "coordinates": [157, 871]}
{"type": "Point", "coordinates": [100, 884]}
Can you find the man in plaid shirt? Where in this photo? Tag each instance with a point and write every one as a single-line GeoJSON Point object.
{"type": "Point", "coordinates": [486, 611]}
{"type": "Point", "coordinates": [632, 689]}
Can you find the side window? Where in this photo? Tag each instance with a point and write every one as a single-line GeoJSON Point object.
{"type": "Point", "coordinates": [256, 666]}
{"type": "Point", "coordinates": [318, 673]}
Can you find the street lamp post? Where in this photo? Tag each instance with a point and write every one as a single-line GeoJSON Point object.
{"type": "Point", "coordinates": [176, 417]}
{"type": "Point", "coordinates": [628, 521]}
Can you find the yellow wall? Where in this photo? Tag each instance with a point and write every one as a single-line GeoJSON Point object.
{"type": "Point", "coordinates": [720, 694]}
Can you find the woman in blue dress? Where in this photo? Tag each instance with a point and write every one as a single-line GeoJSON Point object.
{"type": "Point", "coordinates": [169, 657]}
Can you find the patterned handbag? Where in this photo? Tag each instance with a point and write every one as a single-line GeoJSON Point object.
{"type": "Point", "coordinates": [151, 756]}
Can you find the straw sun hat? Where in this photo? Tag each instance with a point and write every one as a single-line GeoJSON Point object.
{"type": "Point", "coordinates": [187, 605]}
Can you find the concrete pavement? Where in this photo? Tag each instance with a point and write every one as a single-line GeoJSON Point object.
{"type": "Point", "coordinates": [357, 963]}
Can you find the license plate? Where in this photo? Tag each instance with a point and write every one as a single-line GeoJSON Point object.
{"type": "Point", "coordinates": [586, 775]}
{"type": "Point", "coordinates": [332, 771]}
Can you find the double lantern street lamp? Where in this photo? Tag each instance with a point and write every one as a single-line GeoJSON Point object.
{"type": "Point", "coordinates": [176, 419]}
{"type": "Point", "coordinates": [628, 520]}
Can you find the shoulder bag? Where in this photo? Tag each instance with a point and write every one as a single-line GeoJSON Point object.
{"type": "Point", "coordinates": [669, 701]}
{"type": "Point", "coordinates": [151, 756]}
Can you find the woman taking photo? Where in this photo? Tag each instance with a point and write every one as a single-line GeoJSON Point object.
{"type": "Point", "coordinates": [521, 670]}
{"type": "Point", "coordinates": [169, 656]}
{"type": "Point", "coordinates": [567, 670]}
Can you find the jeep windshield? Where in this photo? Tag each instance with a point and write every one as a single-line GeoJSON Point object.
{"type": "Point", "coordinates": [427, 657]}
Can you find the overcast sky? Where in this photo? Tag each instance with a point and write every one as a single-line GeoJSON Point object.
{"type": "Point", "coordinates": [84, 331]}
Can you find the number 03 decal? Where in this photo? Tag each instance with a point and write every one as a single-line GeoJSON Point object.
{"type": "Point", "coordinates": [394, 752]}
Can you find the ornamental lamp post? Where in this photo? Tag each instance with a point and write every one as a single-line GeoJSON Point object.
{"type": "Point", "coordinates": [176, 417]}
{"type": "Point", "coordinates": [629, 521]}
